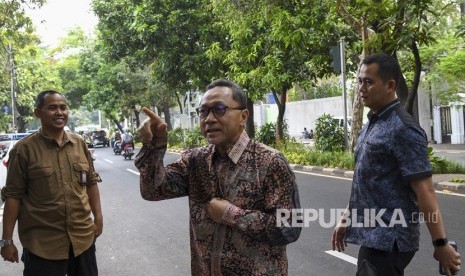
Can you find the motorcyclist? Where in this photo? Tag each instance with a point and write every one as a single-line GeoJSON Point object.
{"type": "Point", "coordinates": [127, 138]}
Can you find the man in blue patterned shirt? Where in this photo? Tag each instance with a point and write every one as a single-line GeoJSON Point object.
{"type": "Point", "coordinates": [392, 186]}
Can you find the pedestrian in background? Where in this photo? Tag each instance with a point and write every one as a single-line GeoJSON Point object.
{"type": "Point", "coordinates": [51, 190]}
{"type": "Point", "coordinates": [235, 187]}
{"type": "Point", "coordinates": [392, 180]}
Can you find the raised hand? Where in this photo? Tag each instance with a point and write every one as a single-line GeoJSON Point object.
{"type": "Point", "coordinates": [152, 127]}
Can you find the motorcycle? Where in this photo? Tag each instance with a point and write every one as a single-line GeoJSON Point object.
{"type": "Point", "coordinates": [117, 147]}
{"type": "Point", "coordinates": [128, 151]}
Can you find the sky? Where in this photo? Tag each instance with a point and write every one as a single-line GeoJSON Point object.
{"type": "Point", "coordinates": [56, 17]}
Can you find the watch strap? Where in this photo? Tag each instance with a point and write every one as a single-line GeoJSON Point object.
{"type": "Point", "coordinates": [4, 243]}
{"type": "Point", "coordinates": [440, 242]}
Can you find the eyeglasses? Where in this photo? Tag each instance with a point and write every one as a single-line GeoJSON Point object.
{"type": "Point", "coordinates": [218, 110]}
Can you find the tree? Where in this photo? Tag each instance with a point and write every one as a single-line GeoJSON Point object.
{"type": "Point", "coordinates": [168, 36]}
{"type": "Point", "coordinates": [273, 45]}
{"type": "Point", "coordinates": [398, 28]}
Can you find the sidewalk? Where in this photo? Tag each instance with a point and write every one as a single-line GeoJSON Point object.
{"type": "Point", "coordinates": [455, 147]}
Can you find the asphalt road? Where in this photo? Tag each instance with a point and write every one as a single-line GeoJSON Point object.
{"type": "Point", "coordinates": [152, 238]}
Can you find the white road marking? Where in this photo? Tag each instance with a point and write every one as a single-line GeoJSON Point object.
{"type": "Point", "coordinates": [134, 172]}
{"type": "Point", "coordinates": [109, 161]}
{"type": "Point", "coordinates": [342, 256]}
{"type": "Point", "coordinates": [449, 193]}
{"type": "Point", "coordinates": [324, 175]}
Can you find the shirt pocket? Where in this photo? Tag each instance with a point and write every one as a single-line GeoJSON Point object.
{"type": "Point", "coordinates": [245, 190]}
{"type": "Point", "coordinates": [42, 186]}
{"type": "Point", "coordinates": [81, 173]}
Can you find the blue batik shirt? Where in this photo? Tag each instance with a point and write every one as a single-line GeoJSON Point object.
{"type": "Point", "coordinates": [391, 152]}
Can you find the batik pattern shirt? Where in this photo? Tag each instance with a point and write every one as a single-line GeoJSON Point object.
{"type": "Point", "coordinates": [256, 179]}
{"type": "Point", "coordinates": [391, 152]}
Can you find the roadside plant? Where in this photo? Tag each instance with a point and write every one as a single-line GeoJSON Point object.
{"type": "Point", "coordinates": [194, 138]}
{"type": "Point", "coordinates": [329, 136]}
{"type": "Point", "coordinates": [175, 138]}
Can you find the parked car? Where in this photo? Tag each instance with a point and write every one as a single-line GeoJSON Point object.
{"type": "Point", "coordinates": [100, 138]}
{"type": "Point", "coordinates": [5, 148]}
{"type": "Point", "coordinates": [7, 142]}
{"type": "Point", "coordinates": [340, 122]}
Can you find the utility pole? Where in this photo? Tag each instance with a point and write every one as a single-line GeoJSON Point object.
{"type": "Point", "coordinates": [344, 93]}
{"type": "Point", "coordinates": [12, 85]}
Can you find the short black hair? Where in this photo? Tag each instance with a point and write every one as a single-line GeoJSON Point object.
{"type": "Point", "coordinates": [237, 95]}
{"type": "Point", "coordinates": [40, 99]}
{"type": "Point", "coordinates": [388, 66]}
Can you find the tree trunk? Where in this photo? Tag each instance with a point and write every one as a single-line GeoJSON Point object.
{"type": "Point", "coordinates": [117, 123]}
{"type": "Point", "coordinates": [357, 106]}
{"type": "Point", "coordinates": [412, 95]}
{"type": "Point", "coordinates": [357, 116]}
{"type": "Point", "coordinates": [250, 127]}
{"type": "Point", "coordinates": [281, 109]}
{"type": "Point", "coordinates": [136, 116]}
{"type": "Point", "coordinates": [166, 111]}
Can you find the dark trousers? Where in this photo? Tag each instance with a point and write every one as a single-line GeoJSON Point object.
{"type": "Point", "coordinates": [82, 265]}
{"type": "Point", "coordinates": [373, 262]}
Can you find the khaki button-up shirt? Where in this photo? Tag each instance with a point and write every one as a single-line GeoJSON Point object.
{"type": "Point", "coordinates": [51, 180]}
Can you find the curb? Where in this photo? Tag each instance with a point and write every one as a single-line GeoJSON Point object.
{"type": "Point", "coordinates": [443, 186]}
{"type": "Point", "coordinates": [449, 187]}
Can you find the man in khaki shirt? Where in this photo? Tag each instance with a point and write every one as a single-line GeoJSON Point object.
{"type": "Point", "coordinates": [51, 190]}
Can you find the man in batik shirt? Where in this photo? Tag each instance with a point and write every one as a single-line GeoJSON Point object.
{"type": "Point", "coordinates": [235, 187]}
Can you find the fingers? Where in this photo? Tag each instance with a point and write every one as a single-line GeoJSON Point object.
{"type": "Point", "coordinates": [153, 117]}
{"type": "Point", "coordinates": [333, 240]}
{"type": "Point", "coordinates": [152, 127]}
{"type": "Point", "coordinates": [337, 241]}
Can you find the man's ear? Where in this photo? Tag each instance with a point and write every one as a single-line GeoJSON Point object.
{"type": "Point", "coordinates": [244, 116]}
{"type": "Point", "coordinates": [37, 113]}
{"type": "Point", "coordinates": [392, 85]}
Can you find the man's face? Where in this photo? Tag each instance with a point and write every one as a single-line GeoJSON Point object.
{"type": "Point", "coordinates": [222, 131]}
{"type": "Point", "coordinates": [53, 114]}
{"type": "Point", "coordinates": [373, 92]}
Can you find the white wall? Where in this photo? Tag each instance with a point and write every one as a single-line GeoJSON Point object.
{"type": "Point", "coordinates": [302, 113]}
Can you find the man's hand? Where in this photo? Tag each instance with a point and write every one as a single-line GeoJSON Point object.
{"type": "Point", "coordinates": [448, 258]}
{"type": "Point", "coordinates": [98, 222]}
{"type": "Point", "coordinates": [152, 127]}
{"type": "Point", "coordinates": [339, 234]}
{"type": "Point", "coordinates": [215, 209]}
{"type": "Point", "coordinates": [10, 253]}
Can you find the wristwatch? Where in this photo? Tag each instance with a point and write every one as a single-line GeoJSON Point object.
{"type": "Point", "coordinates": [4, 243]}
{"type": "Point", "coordinates": [440, 242]}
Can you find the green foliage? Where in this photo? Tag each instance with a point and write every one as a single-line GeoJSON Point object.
{"type": "Point", "coordinates": [194, 138]}
{"type": "Point", "coordinates": [267, 134]}
{"type": "Point", "coordinates": [297, 153]}
{"type": "Point", "coordinates": [329, 136]}
{"type": "Point", "coordinates": [175, 138]}
{"type": "Point", "coordinates": [324, 89]}
{"type": "Point", "coordinates": [445, 67]}
{"type": "Point", "coordinates": [442, 165]}
{"type": "Point", "coordinates": [458, 180]}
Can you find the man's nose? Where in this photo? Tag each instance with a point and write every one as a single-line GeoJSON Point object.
{"type": "Point", "coordinates": [210, 117]}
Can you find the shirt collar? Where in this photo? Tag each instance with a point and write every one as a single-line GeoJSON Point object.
{"type": "Point", "coordinates": [386, 110]}
{"type": "Point", "coordinates": [236, 151]}
{"type": "Point", "coordinates": [66, 138]}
